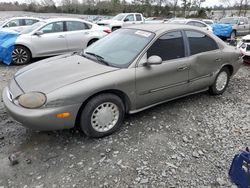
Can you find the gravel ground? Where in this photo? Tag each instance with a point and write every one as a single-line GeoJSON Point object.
{"type": "Point", "coordinates": [189, 142]}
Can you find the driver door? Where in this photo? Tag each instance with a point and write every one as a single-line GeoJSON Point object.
{"type": "Point", "coordinates": [156, 83]}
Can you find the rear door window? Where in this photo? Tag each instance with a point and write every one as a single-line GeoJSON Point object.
{"type": "Point", "coordinates": [246, 20]}
{"type": "Point", "coordinates": [76, 26]}
{"type": "Point", "coordinates": [169, 46]}
{"type": "Point", "coordinates": [30, 21]}
{"type": "Point", "coordinates": [138, 17]}
{"type": "Point", "coordinates": [200, 42]}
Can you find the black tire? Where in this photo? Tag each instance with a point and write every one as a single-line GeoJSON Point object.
{"type": "Point", "coordinates": [95, 111]}
{"type": "Point", "coordinates": [21, 55]}
{"type": "Point", "coordinates": [216, 88]}
{"type": "Point", "coordinates": [92, 41]}
{"type": "Point", "coordinates": [114, 28]}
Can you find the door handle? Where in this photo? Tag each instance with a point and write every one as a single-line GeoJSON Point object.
{"type": "Point", "coordinates": [182, 68]}
{"type": "Point", "coordinates": [218, 59]}
{"type": "Point", "coordinates": [61, 36]}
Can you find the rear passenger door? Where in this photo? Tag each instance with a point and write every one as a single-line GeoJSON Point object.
{"type": "Point", "coordinates": [205, 57]}
{"type": "Point", "coordinates": [241, 26]}
{"type": "Point", "coordinates": [78, 35]}
{"type": "Point", "coordinates": [247, 26]}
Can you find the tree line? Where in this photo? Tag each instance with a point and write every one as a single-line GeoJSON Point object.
{"type": "Point", "coordinates": [163, 8]}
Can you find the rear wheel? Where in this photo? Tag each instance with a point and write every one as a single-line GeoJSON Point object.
{"type": "Point", "coordinates": [102, 115]}
{"type": "Point", "coordinates": [21, 55]}
{"type": "Point", "coordinates": [114, 28]}
{"type": "Point", "coordinates": [221, 82]}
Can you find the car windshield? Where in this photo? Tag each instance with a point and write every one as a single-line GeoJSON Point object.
{"type": "Point", "coordinates": [229, 20]}
{"type": "Point", "coordinates": [33, 27]}
{"type": "Point", "coordinates": [119, 17]}
{"type": "Point", "coordinates": [120, 48]}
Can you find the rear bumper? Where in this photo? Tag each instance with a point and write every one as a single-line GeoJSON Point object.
{"type": "Point", "coordinates": [43, 118]}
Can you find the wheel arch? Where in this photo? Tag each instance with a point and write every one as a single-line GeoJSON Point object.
{"type": "Point", "coordinates": [123, 96]}
{"type": "Point", "coordinates": [93, 39]}
{"type": "Point", "coordinates": [229, 67]}
{"type": "Point", "coordinates": [25, 47]}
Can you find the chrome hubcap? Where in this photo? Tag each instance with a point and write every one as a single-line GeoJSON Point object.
{"type": "Point", "coordinates": [105, 117]}
{"type": "Point", "coordinates": [19, 56]}
{"type": "Point", "coordinates": [221, 81]}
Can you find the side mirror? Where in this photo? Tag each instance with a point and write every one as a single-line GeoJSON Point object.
{"type": "Point", "coordinates": [126, 20]}
{"type": "Point", "coordinates": [153, 60]}
{"type": "Point", "coordinates": [38, 33]}
{"type": "Point", "coordinates": [241, 23]}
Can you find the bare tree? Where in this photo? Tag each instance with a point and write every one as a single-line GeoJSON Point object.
{"type": "Point", "coordinates": [173, 4]}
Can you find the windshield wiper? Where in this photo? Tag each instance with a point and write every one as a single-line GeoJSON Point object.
{"type": "Point", "coordinates": [98, 57]}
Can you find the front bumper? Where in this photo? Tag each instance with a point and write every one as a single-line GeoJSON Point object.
{"type": "Point", "coordinates": [43, 118]}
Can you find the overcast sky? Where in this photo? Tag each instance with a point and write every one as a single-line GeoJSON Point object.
{"type": "Point", "coordinates": [209, 3]}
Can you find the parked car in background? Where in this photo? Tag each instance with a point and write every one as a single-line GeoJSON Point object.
{"type": "Point", "coordinates": [18, 23]}
{"type": "Point", "coordinates": [128, 71]}
{"type": "Point", "coordinates": [244, 46]}
{"type": "Point", "coordinates": [55, 36]}
{"type": "Point", "coordinates": [122, 20]}
{"type": "Point", "coordinates": [155, 20]}
{"type": "Point", "coordinates": [192, 22]}
{"type": "Point", "coordinates": [231, 27]}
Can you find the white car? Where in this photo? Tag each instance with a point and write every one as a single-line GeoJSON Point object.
{"type": "Point", "coordinates": [18, 23]}
{"type": "Point", "coordinates": [123, 19]}
{"type": "Point", "coordinates": [244, 46]}
{"type": "Point", "coordinates": [55, 36]}
{"type": "Point", "coordinates": [192, 22]}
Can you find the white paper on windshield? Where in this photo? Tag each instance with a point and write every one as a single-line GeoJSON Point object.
{"type": "Point", "coordinates": [143, 33]}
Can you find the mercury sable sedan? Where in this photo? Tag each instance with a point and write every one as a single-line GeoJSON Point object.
{"type": "Point", "coordinates": [128, 71]}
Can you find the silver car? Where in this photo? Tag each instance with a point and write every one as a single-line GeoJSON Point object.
{"type": "Point", "coordinates": [128, 71]}
{"type": "Point", "coordinates": [196, 23]}
{"type": "Point", "coordinates": [18, 23]}
{"type": "Point", "coordinates": [55, 36]}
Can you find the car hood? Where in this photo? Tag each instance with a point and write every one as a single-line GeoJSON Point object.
{"type": "Point", "coordinates": [49, 75]}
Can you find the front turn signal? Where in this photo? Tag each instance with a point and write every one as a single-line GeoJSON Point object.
{"type": "Point", "coordinates": [63, 115]}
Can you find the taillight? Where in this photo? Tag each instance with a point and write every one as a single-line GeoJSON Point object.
{"type": "Point", "coordinates": [107, 30]}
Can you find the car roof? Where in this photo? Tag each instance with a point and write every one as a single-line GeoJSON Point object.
{"type": "Point", "coordinates": [25, 17]}
{"type": "Point", "coordinates": [163, 27]}
{"type": "Point", "coordinates": [64, 19]}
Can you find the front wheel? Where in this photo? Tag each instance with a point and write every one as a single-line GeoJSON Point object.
{"type": "Point", "coordinates": [102, 115]}
{"type": "Point", "coordinates": [21, 55]}
{"type": "Point", "coordinates": [221, 82]}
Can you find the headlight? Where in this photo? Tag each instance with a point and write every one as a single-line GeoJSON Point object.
{"type": "Point", "coordinates": [32, 100]}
